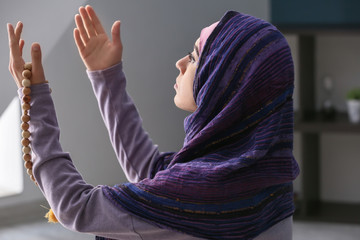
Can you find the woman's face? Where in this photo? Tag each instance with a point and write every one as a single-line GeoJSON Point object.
{"type": "Point", "coordinates": [184, 98]}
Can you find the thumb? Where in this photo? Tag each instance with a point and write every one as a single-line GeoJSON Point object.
{"type": "Point", "coordinates": [38, 75]}
{"type": "Point", "coordinates": [115, 33]}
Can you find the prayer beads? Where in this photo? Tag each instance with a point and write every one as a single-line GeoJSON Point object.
{"type": "Point", "coordinates": [25, 118]}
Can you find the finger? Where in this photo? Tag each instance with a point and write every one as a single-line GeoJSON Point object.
{"type": "Point", "coordinates": [10, 66]}
{"type": "Point", "coordinates": [115, 33]}
{"type": "Point", "coordinates": [96, 22]}
{"type": "Point", "coordinates": [37, 68]}
{"type": "Point", "coordinates": [16, 61]}
{"type": "Point", "coordinates": [80, 26]}
{"type": "Point", "coordinates": [79, 43]}
{"type": "Point", "coordinates": [11, 34]}
{"type": "Point", "coordinates": [18, 30]}
{"type": "Point", "coordinates": [21, 46]}
{"type": "Point", "coordinates": [87, 22]}
{"type": "Point", "coordinates": [9, 28]}
{"type": "Point", "coordinates": [13, 43]}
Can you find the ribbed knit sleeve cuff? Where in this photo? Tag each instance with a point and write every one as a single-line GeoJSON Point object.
{"type": "Point", "coordinates": [105, 73]}
{"type": "Point", "coordinates": [36, 90]}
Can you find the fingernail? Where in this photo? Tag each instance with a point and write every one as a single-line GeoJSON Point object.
{"type": "Point", "coordinates": [36, 48]}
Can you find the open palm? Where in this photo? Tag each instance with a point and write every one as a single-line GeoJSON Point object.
{"type": "Point", "coordinates": [97, 51]}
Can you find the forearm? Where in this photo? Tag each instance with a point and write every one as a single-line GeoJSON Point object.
{"type": "Point", "coordinates": [134, 148]}
{"type": "Point", "coordinates": [77, 205]}
{"type": "Point", "coordinates": [54, 172]}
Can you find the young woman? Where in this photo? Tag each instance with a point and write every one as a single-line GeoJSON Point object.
{"type": "Point", "coordinates": [232, 179]}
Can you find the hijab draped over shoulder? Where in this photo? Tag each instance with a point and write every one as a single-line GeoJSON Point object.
{"type": "Point", "coordinates": [232, 179]}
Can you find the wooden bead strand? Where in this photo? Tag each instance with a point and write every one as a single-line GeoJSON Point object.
{"type": "Point", "coordinates": [25, 118]}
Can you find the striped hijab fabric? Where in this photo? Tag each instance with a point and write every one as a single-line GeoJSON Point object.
{"type": "Point", "coordinates": [232, 179]}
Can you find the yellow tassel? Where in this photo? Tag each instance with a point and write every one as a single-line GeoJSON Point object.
{"type": "Point", "coordinates": [51, 217]}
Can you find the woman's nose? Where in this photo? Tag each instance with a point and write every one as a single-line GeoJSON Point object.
{"type": "Point", "coordinates": [181, 64]}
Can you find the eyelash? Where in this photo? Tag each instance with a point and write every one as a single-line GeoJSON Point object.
{"type": "Point", "coordinates": [191, 57]}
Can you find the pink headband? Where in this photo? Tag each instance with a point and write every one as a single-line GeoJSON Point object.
{"type": "Point", "coordinates": [205, 33]}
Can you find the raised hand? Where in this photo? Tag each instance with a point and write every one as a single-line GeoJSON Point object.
{"type": "Point", "coordinates": [95, 48]}
{"type": "Point", "coordinates": [16, 62]}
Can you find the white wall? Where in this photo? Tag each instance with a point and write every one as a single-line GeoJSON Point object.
{"type": "Point", "coordinates": [155, 34]}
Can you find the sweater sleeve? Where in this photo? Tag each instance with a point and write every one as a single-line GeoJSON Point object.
{"type": "Point", "coordinates": [77, 205]}
{"type": "Point", "coordinates": [135, 150]}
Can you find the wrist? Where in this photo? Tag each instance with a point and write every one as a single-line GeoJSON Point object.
{"type": "Point", "coordinates": [114, 67]}
{"type": "Point", "coordinates": [20, 86]}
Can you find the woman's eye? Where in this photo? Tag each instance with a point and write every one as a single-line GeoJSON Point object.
{"type": "Point", "coordinates": [191, 57]}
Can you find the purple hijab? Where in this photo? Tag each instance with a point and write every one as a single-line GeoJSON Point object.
{"type": "Point", "coordinates": [232, 179]}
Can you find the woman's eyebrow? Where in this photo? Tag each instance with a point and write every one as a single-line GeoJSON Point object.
{"type": "Point", "coordinates": [196, 50]}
